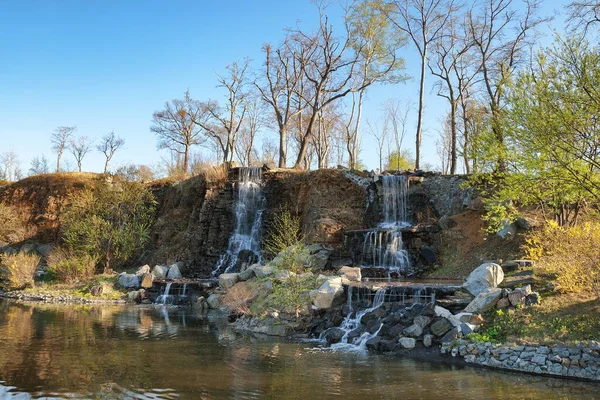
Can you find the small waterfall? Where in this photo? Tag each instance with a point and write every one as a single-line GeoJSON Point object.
{"type": "Point", "coordinates": [184, 289]}
{"type": "Point", "coordinates": [165, 298]}
{"type": "Point", "coordinates": [382, 247]}
{"type": "Point", "coordinates": [352, 323]}
{"type": "Point", "coordinates": [248, 219]}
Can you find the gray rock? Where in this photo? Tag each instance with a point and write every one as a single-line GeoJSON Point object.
{"type": "Point", "coordinates": [484, 301]}
{"type": "Point", "coordinates": [407, 343]}
{"type": "Point", "coordinates": [129, 281]}
{"type": "Point", "coordinates": [333, 335]}
{"type": "Point", "coordinates": [262, 271]}
{"type": "Point", "coordinates": [516, 297]}
{"type": "Point", "coordinates": [143, 270]}
{"type": "Point", "coordinates": [486, 276]}
{"type": "Point", "coordinates": [45, 249]}
{"type": "Point", "coordinates": [228, 280]}
{"type": "Point", "coordinates": [174, 271]}
{"type": "Point", "coordinates": [428, 340]}
{"type": "Point", "coordinates": [440, 327]}
{"type": "Point", "coordinates": [247, 274]}
{"type": "Point", "coordinates": [28, 248]}
{"type": "Point", "coordinates": [508, 230]}
{"type": "Point", "coordinates": [159, 271]}
{"type": "Point", "coordinates": [533, 298]}
{"type": "Point", "coordinates": [450, 336]}
{"type": "Point", "coordinates": [413, 331]}
{"type": "Point", "coordinates": [350, 274]}
{"type": "Point", "coordinates": [213, 301]}
{"type": "Point", "coordinates": [539, 359]}
{"type": "Point", "coordinates": [327, 294]}
{"type": "Point", "coordinates": [422, 321]}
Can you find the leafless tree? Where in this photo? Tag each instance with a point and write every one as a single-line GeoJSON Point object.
{"type": "Point", "coordinates": [582, 14]}
{"type": "Point", "coordinates": [60, 141]}
{"type": "Point", "coordinates": [223, 124]}
{"type": "Point", "coordinates": [423, 21]}
{"type": "Point", "coordinates": [10, 168]}
{"type": "Point", "coordinates": [268, 152]}
{"type": "Point", "coordinates": [396, 116]}
{"type": "Point", "coordinates": [501, 38]}
{"type": "Point", "coordinates": [109, 144]}
{"type": "Point", "coordinates": [380, 136]}
{"type": "Point", "coordinates": [278, 86]}
{"type": "Point", "coordinates": [443, 146]}
{"type": "Point", "coordinates": [175, 128]}
{"type": "Point", "coordinates": [80, 147]}
{"type": "Point", "coordinates": [253, 122]}
{"type": "Point", "coordinates": [39, 165]}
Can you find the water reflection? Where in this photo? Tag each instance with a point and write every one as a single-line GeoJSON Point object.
{"type": "Point", "coordinates": [149, 353]}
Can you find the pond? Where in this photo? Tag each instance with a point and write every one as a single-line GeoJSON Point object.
{"type": "Point", "coordinates": [128, 352]}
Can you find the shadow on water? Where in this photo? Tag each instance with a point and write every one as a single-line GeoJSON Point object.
{"type": "Point", "coordinates": [133, 352]}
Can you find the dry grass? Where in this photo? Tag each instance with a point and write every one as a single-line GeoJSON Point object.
{"type": "Point", "coordinates": [239, 297]}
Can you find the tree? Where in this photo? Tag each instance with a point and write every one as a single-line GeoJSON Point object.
{"type": "Point", "coordinates": [223, 124]}
{"type": "Point", "coordinates": [281, 78]}
{"type": "Point", "coordinates": [253, 122]}
{"type": "Point", "coordinates": [39, 165]}
{"type": "Point", "coordinates": [176, 129]}
{"type": "Point", "coordinates": [10, 169]}
{"type": "Point", "coordinates": [396, 115]}
{"type": "Point", "coordinates": [501, 38]}
{"type": "Point", "coordinates": [60, 141]}
{"type": "Point", "coordinates": [108, 146]}
{"type": "Point", "coordinates": [402, 161]}
{"type": "Point", "coordinates": [380, 136]}
{"type": "Point", "coordinates": [109, 223]}
{"type": "Point", "coordinates": [584, 14]}
{"type": "Point", "coordinates": [80, 148]}
{"type": "Point", "coordinates": [423, 21]}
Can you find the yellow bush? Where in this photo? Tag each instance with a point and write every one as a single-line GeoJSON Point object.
{"type": "Point", "coordinates": [68, 268]}
{"type": "Point", "coordinates": [571, 254]}
{"type": "Point", "coordinates": [17, 271]}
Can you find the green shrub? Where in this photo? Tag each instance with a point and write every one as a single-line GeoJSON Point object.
{"type": "Point", "coordinates": [17, 271]}
{"type": "Point", "coordinates": [69, 268]}
{"type": "Point", "coordinates": [109, 223]}
{"type": "Point", "coordinates": [285, 232]}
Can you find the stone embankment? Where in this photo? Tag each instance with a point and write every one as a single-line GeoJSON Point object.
{"type": "Point", "coordinates": [579, 361]}
{"type": "Point", "coordinates": [56, 298]}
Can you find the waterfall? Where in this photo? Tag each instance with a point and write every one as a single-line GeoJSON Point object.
{"type": "Point", "coordinates": [352, 323]}
{"type": "Point", "coordinates": [249, 208]}
{"type": "Point", "coordinates": [165, 298]}
{"type": "Point", "coordinates": [383, 247]}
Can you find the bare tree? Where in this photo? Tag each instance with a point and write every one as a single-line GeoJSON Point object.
{"type": "Point", "coordinates": [583, 14]}
{"type": "Point", "coordinates": [223, 124]}
{"type": "Point", "coordinates": [60, 141]}
{"type": "Point", "coordinates": [281, 78]}
{"type": "Point", "coordinates": [175, 128]}
{"type": "Point", "coordinates": [396, 116]}
{"type": "Point", "coordinates": [268, 152]}
{"type": "Point", "coordinates": [109, 145]}
{"type": "Point", "coordinates": [79, 148]}
{"type": "Point", "coordinates": [443, 146]}
{"type": "Point", "coordinates": [10, 168]}
{"type": "Point", "coordinates": [252, 124]}
{"type": "Point", "coordinates": [423, 21]}
{"type": "Point", "coordinates": [380, 136]}
{"type": "Point", "coordinates": [501, 39]}
{"type": "Point", "coordinates": [39, 165]}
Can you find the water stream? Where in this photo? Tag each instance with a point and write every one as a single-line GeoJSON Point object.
{"type": "Point", "coordinates": [249, 207]}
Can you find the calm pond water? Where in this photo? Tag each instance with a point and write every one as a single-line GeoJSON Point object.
{"type": "Point", "coordinates": [52, 351]}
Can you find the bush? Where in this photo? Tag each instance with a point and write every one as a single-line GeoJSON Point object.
{"type": "Point", "coordinates": [66, 267]}
{"type": "Point", "coordinates": [17, 271]}
{"type": "Point", "coordinates": [109, 223]}
{"type": "Point", "coordinates": [570, 254]}
{"type": "Point", "coordinates": [285, 232]}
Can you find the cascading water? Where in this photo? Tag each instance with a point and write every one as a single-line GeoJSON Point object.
{"type": "Point", "coordinates": [248, 219]}
{"type": "Point", "coordinates": [165, 298]}
{"type": "Point", "coordinates": [352, 323]}
{"type": "Point", "coordinates": [383, 247]}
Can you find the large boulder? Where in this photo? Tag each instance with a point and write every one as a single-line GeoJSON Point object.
{"type": "Point", "coordinates": [174, 271]}
{"type": "Point", "coordinates": [350, 274]}
{"type": "Point", "coordinates": [333, 335]}
{"type": "Point", "coordinates": [228, 280]}
{"type": "Point", "coordinates": [440, 327]}
{"type": "Point", "coordinates": [213, 301]}
{"type": "Point", "coordinates": [407, 343]}
{"type": "Point", "coordinates": [146, 281]}
{"type": "Point", "coordinates": [484, 301]}
{"type": "Point", "coordinates": [159, 271]}
{"type": "Point", "coordinates": [129, 281]}
{"type": "Point", "coordinates": [247, 274]}
{"type": "Point", "coordinates": [486, 276]}
{"type": "Point", "coordinates": [327, 294]}
{"type": "Point", "coordinates": [143, 270]}
{"type": "Point", "coordinates": [262, 271]}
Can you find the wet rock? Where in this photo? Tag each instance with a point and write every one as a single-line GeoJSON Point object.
{"type": "Point", "coordinates": [387, 345]}
{"type": "Point", "coordinates": [373, 326]}
{"type": "Point", "coordinates": [396, 331]}
{"type": "Point", "coordinates": [147, 280]}
{"type": "Point", "coordinates": [486, 276]}
{"type": "Point", "coordinates": [413, 331]}
{"type": "Point", "coordinates": [373, 343]}
{"type": "Point", "coordinates": [228, 280]}
{"type": "Point", "coordinates": [333, 335]}
{"type": "Point", "coordinates": [174, 271]}
{"type": "Point", "coordinates": [484, 301]}
{"type": "Point", "coordinates": [129, 281]}
{"type": "Point", "coordinates": [159, 271]}
{"type": "Point", "coordinates": [407, 343]}
{"type": "Point", "coordinates": [143, 270]}
{"type": "Point", "coordinates": [375, 314]}
{"type": "Point", "coordinates": [428, 340]}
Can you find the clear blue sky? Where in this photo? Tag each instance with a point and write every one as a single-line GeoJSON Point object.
{"type": "Point", "coordinates": [107, 65]}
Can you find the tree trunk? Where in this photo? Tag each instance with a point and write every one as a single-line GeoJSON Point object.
{"type": "Point", "coordinates": [58, 161]}
{"type": "Point", "coordinates": [420, 111]}
{"type": "Point", "coordinates": [454, 156]}
{"type": "Point", "coordinates": [186, 155]}
{"type": "Point", "coordinates": [106, 165]}
{"type": "Point", "coordinates": [357, 127]}
{"type": "Point", "coordinates": [282, 147]}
